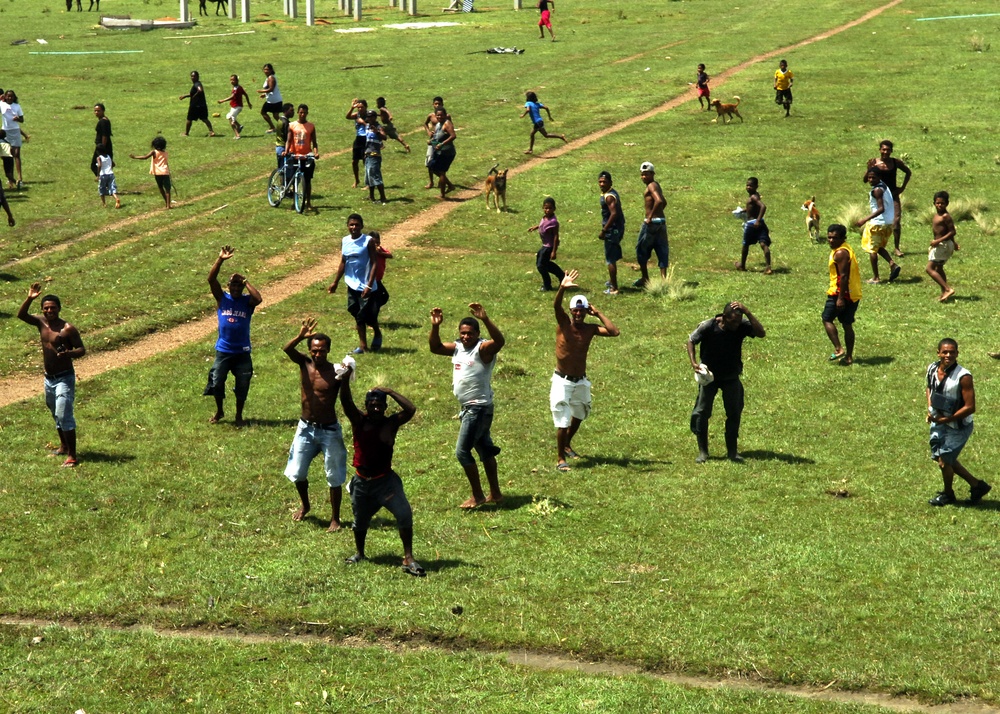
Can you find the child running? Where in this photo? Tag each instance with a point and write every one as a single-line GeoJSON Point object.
{"type": "Point", "coordinates": [534, 107]}
{"type": "Point", "coordinates": [548, 231]}
{"type": "Point", "coordinates": [386, 116]}
{"type": "Point", "coordinates": [704, 93]}
{"type": "Point", "coordinates": [158, 167]}
{"type": "Point", "coordinates": [106, 176]}
{"type": "Point", "coordinates": [942, 245]}
{"type": "Point", "coordinates": [235, 100]}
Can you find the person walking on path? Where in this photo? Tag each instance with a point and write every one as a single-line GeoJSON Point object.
{"type": "Point", "coordinates": [318, 429]}
{"type": "Point", "coordinates": [61, 344]}
{"type": "Point", "coordinates": [569, 398]}
{"type": "Point", "coordinates": [232, 349]}
{"type": "Point", "coordinates": [197, 105]}
{"type": "Point", "coordinates": [721, 339]}
{"type": "Point", "coordinates": [358, 263]}
{"type": "Point", "coordinates": [473, 358]}
{"type": "Point", "coordinates": [951, 402]}
{"type": "Point", "coordinates": [375, 484]}
{"type": "Point", "coordinates": [442, 142]}
{"type": "Point", "coordinates": [843, 295]}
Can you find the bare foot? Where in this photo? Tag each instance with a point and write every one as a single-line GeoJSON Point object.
{"type": "Point", "coordinates": [740, 266]}
{"type": "Point", "coordinates": [899, 253]}
{"type": "Point", "coordinates": [354, 185]}
{"type": "Point", "coordinates": [946, 294]}
{"type": "Point", "coordinates": [240, 423]}
{"type": "Point", "coordinates": [216, 418]}
{"type": "Point", "coordinates": [529, 151]}
{"type": "Point", "coordinates": [211, 133]}
{"type": "Point", "coordinates": [472, 503]}
{"type": "Point", "coordinates": [334, 527]}
{"type": "Point", "coordinates": [430, 185]}
{"type": "Point", "coordinates": [768, 271]}
{"type": "Point", "coordinates": [300, 514]}
{"type": "Point", "coordinates": [498, 498]}
{"type": "Point", "coordinates": [848, 361]}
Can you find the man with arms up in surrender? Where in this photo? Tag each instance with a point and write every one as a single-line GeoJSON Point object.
{"type": "Point", "coordinates": [951, 402]}
{"type": "Point", "coordinates": [232, 349]}
{"type": "Point", "coordinates": [318, 429]}
{"type": "Point", "coordinates": [375, 484]}
{"type": "Point", "coordinates": [474, 359]}
{"type": "Point", "coordinates": [61, 344]}
{"type": "Point", "coordinates": [721, 339]}
{"type": "Point", "coordinates": [569, 398]}
{"type": "Point", "coordinates": [844, 294]}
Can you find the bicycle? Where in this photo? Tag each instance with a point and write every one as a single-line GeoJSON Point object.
{"type": "Point", "coordinates": [283, 182]}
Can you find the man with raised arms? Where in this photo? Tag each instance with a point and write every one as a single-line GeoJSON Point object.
{"type": "Point", "coordinates": [473, 358]}
{"type": "Point", "coordinates": [318, 429]}
{"type": "Point", "coordinates": [375, 484]}
{"type": "Point", "coordinates": [569, 398]}
{"type": "Point", "coordinates": [61, 344]}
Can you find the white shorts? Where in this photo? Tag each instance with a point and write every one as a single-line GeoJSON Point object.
{"type": "Point", "coordinates": [233, 113]}
{"type": "Point", "coordinates": [941, 252]}
{"type": "Point", "coordinates": [569, 400]}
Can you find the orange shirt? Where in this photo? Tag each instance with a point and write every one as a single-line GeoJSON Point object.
{"type": "Point", "coordinates": [158, 164]}
{"type": "Point", "coordinates": [300, 135]}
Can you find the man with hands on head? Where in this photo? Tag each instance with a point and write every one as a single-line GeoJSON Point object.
{"type": "Point", "coordinates": [61, 344]}
{"type": "Point", "coordinates": [474, 359]}
{"type": "Point", "coordinates": [318, 429]}
{"type": "Point", "coordinates": [375, 484]}
{"type": "Point", "coordinates": [232, 349]}
{"type": "Point", "coordinates": [569, 398]}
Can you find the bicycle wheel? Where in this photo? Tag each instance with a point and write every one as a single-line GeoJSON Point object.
{"type": "Point", "coordinates": [300, 192]}
{"type": "Point", "coordinates": [275, 188]}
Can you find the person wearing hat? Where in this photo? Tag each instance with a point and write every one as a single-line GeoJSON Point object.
{"type": "Point", "coordinates": [612, 229]}
{"type": "Point", "coordinates": [375, 485]}
{"type": "Point", "coordinates": [721, 339]}
{"type": "Point", "coordinates": [653, 232]}
{"type": "Point", "coordinates": [569, 398]}
{"type": "Point", "coordinates": [473, 359]}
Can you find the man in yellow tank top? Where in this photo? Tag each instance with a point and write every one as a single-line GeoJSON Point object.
{"type": "Point", "coordinates": [844, 294]}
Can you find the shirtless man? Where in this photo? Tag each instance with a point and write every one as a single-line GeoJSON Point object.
{"type": "Point", "coordinates": [755, 230]}
{"type": "Point", "coordinates": [375, 485]}
{"type": "Point", "coordinates": [318, 429]}
{"type": "Point", "coordinates": [569, 398]}
{"type": "Point", "coordinates": [61, 344]}
{"type": "Point", "coordinates": [653, 233]}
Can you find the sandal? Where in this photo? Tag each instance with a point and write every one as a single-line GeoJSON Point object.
{"type": "Point", "coordinates": [570, 454]}
{"type": "Point", "coordinates": [354, 559]}
{"type": "Point", "coordinates": [413, 568]}
{"type": "Point", "coordinates": [563, 467]}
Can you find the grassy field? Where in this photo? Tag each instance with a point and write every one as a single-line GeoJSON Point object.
{"type": "Point", "coordinates": [638, 555]}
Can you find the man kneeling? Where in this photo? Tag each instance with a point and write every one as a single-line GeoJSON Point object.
{"type": "Point", "coordinates": [375, 484]}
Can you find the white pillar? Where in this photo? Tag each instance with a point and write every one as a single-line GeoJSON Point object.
{"type": "Point", "coordinates": [183, 12]}
{"type": "Point", "coordinates": [310, 12]}
{"type": "Point", "coordinates": [245, 10]}
{"type": "Point", "coordinates": [293, 8]}
{"type": "Point", "coordinates": [348, 7]}
{"type": "Point", "coordinates": [357, 10]}
{"type": "Point", "coordinates": [413, 7]}
{"type": "Point", "coordinates": [517, 4]}
{"type": "Point", "coordinates": [232, 9]}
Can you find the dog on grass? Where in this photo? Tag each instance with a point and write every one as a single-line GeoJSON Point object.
{"type": "Point", "coordinates": [496, 184]}
{"type": "Point", "coordinates": [221, 6]}
{"type": "Point", "coordinates": [812, 219]}
{"type": "Point", "coordinates": [726, 111]}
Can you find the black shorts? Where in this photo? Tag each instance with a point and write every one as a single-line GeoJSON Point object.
{"type": "Point", "coordinates": [539, 126]}
{"type": "Point", "coordinates": [198, 113]}
{"type": "Point", "coordinates": [308, 165]}
{"type": "Point", "coordinates": [358, 149]}
{"type": "Point", "coordinates": [163, 182]}
{"type": "Point", "coordinates": [368, 497]}
{"type": "Point", "coordinates": [271, 108]}
{"type": "Point", "coordinates": [846, 316]}
{"type": "Point", "coordinates": [783, 96]}
{"type": "Point", "coordinates": [363, 310]}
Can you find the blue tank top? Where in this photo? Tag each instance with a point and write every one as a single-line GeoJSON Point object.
{"type": "Point", "coordinates": [356, 264]}
{"type": "Point", "coordinates": [619, 225]}
{"type": "Point", "coordinates": [234, 324]}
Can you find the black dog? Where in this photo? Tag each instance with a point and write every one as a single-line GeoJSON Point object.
{"type": "Point", "coordinates": [221, 6]}
{"type": "Point", "coordinates": [79, 5]}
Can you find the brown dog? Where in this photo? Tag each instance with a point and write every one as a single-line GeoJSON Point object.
{"type": "Point", "coordinates": [812, 219]}
{"type": "Point", "coordinates": [726, 110]}
{"type": "Point", "coordinates": [496, 184]}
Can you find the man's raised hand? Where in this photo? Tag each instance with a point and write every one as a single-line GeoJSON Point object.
{"type": "Point", "coordinates": [227, 252]}
{"type": "Point", "coordinates": [437, 317]}
{"type": "Point", "coordinates": [569, 280]}
{"type": "Point", "coordinates": [477, 310]}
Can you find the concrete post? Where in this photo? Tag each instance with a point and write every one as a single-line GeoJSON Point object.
{"type": "Point", "coordinates": [517, 4]}
{"type": "Point", "coordinates": [357, 10]}
{"type": "Point", "coordinates": [183, 12]}
{"type": "Point", "coordinates": [413, 7]}
{"type": "Point", "coordinates": [348, 7]}
{"type": "Point", "coordinates": [245, 10]}
{"type": "Point", "coordinates": [310, 12]}
{"type": "Point", "coordinates": [293, 8]}
{"type": "Point", "coordinates": [232, 10]}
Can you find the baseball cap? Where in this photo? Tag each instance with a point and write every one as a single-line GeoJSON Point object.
{"type": "Point", "coordinates": [646, 166]}
{"type": "Point", "coordinates": [578, 301]}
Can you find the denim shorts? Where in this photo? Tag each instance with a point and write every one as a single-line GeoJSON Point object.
{"type": "Point", "coordinates": [477, 419]}
{"type": "Point", "coordinates": [369, 496]}
{"type": "Point", "coordinates": [240, 364]}
{"type": "Point", "coordinates": [947, 442]}
{"type": "Point", "coordinates": [653, 239]}
{"type": "Point", "coordinates": [373, 171]}
{"type": "Point", "coordinates": [311, 440]}
{"type": "Point", "coordinates": [60, 391]}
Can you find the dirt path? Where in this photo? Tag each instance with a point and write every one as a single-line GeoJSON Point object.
{"type": "Point", "coordinates": [541, 662]}
{"type": "Point", "coordinates": [19, 387]}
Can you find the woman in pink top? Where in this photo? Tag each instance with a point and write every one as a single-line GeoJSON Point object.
{"type": "Point", "coordinates": [548, 231]}
{"type": "Point", "coordinates": [158, 167]}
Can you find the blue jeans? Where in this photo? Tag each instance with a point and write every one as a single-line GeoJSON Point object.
{"type": "Point", "coordinates": [475, 434]}
{"type": "Point", "coordinates": [240, 364]}
{"type": "Point", "coordinates": [311, 439]}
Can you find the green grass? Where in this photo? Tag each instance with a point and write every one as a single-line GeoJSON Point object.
{"type": "Point", "coordinates": [637, 555]}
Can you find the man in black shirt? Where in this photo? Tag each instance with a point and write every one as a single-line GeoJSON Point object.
{"type": "Point", "coordinates": [102, 138]}
{"type": "Point", "coordinates": [721, 339]}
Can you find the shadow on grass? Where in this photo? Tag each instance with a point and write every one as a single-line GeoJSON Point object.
{"type": "Point", "coordinates": [5, 315]}
{"type": "Point", "coordinates": [781, 271]}
{"type": "Point", "coordinates": [983, 505]}
{"type": "Point", "coordinates": [104, 458]}
{"type": "Point", "coordinates": [395, 560]}
{"type": "Point", "coordinates": [290, 423]}
{"type": "Point", "coordinates": [965, 298]}
{"type": "Point", "coordinates": [8, 278]}
{"type": "Point", "coordinates": [908, 280]}
{"type": "Point", "coordinates": [391, 350]}
{"type": "Point", "coordinates": [509, 503]}
{"type": "Point", "coordinates": [589, 462]}
{"type": "Point", "coordinates": [392, 325]}
{"type": "Point", "coordinates": [775, 456]}
{"type": "Point", "coordinates": [872, 361]}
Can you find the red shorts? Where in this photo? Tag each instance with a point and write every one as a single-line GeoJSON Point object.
{"type": "Point", "coordinates": [703, 92]}
{"type": "Point", "coordinates": [544, 20]}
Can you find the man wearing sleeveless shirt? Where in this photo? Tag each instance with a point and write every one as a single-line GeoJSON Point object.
{"type": "Point", "coordinates": [612, 229]}
{"type": "Point", "coordinates": [473, 358]}
{"type": "Point", "coordinates": [951, 402]}
{"type": "Point", "coordinates": [878, 225]}
{"type": "Point", "coordinates": [844, 293]}
{"type": "Point", "coordinates": [375, 485]}
{"type": "Point", "coordinates": [300, 142]}
{"type": "Point", "coordinates": [232, 349]}
{"type": "Point", "coordinates": [318, 429]}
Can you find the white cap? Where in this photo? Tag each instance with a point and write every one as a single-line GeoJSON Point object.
{"type": "Point", "coordinates": [646, 166]}
{"type": "Point", "coordinates": [703, 376]}
{"type": "Point", "coordinates": [578, 301]}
